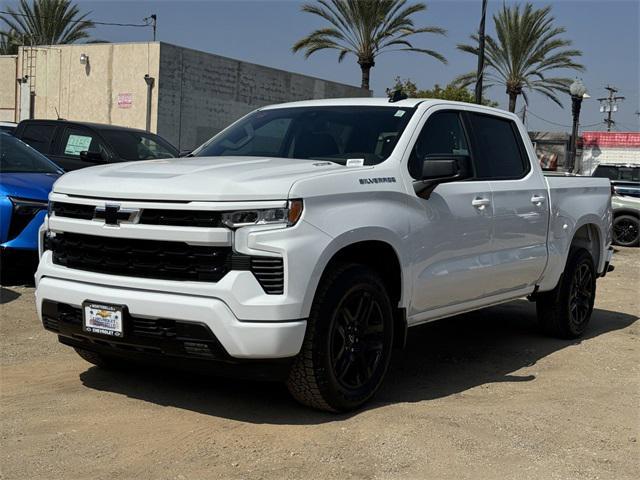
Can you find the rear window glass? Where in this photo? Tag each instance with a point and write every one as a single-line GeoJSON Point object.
{"type": "Point", "coordinates": [39, 136]}
{"type": "Point", "coordinates": [500, 154]}
{"type": "Point", "coordinates": [618, 173]}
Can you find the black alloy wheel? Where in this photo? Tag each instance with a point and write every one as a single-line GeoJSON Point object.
{"type": "Point", "coordinates": [626, 231]}
{"type": "Point", "coordinates": [357, 339]}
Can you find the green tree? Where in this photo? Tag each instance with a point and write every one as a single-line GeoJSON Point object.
{"type": "Point", "coordinates": [528, 48]}
{"type": "Point", "coordinates": [8, 43]}
{"type": "Point", "coordinates": [45, 22]}
{"type": "Point", "coordinates": [449, 92]}
{"type": "Point", "coordinates": [365, 29]}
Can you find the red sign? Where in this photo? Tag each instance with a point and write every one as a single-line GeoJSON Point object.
{"type": "Point", "coordinates": [125, 100]}
{"type": "Point", "coordinates": [611, 139]}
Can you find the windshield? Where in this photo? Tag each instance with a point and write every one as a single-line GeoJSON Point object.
{"type": "Point", "coordinates": [315, 133]}
{"type": "Point", "coordinates": [130, 145]}
{"type": "Point", "coordinates": [18, 157]}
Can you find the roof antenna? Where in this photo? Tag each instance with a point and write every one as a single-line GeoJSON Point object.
{"type": "Point", "coordinates": [398, 95]}
{"type": "Point", "coordinates": [57, 114]}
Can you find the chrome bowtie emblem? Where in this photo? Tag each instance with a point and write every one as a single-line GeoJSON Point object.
{"type": "Point", "coordinates": [114, 215]}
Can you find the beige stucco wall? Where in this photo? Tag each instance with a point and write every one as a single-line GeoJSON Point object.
{"type": "Point", "coordinates": [8, 87]}
{"type": "Point", "coordinates": [66, 88]}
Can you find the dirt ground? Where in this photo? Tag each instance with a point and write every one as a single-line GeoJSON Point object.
{"type": "Point", "coordinates": [481, 396]}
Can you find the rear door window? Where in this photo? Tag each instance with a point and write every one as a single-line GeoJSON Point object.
{"type": "Point", "coordinates": [39, 136]}
{"type": "Point", "coordinates": [499, 152]}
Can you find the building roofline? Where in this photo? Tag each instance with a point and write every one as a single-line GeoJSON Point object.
{"type": "Point", "coordinates": [160, 43]}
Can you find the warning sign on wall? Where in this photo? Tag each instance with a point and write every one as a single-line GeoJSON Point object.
{"type": "Point", "coordinates": [125, 100]}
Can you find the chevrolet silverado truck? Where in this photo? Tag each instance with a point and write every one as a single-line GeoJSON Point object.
{"type": "Point", "coordinates": [304, 240]}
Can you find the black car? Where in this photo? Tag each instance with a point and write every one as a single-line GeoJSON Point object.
{"type": "Point", "coordinates": [74, 145]}
{"type": "Point", "coordinates": [625, 178]}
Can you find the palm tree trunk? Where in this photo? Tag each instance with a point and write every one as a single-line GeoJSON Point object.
{"type": "Point", "coordinates": [513, 97]}
{"type": "Point", "coordinates": [365, 65]}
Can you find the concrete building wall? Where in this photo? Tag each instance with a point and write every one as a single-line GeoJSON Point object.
{"type": "Point", "coordinates": [196, 94]}
{"type": "Point", "coordinates": [8, 85]}
{"type": "Point", "coordinates": [94, 91]}
{"type": "Point", "coordinates": [201, 93]}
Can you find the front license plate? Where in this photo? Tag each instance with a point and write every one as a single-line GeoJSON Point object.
{"type": "Point", "coordinates": [102, 319]}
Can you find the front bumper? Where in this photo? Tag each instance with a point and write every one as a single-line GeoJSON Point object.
{"type": "Point", "coordinates": [237, 339]}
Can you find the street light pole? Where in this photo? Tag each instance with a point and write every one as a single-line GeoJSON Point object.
{"type": "Point", "coordinates": [578, 92]}
{"type": "Point", "coordinates": [480, 71]}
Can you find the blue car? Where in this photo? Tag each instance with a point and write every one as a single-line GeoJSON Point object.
{"type": "Point", "coordinates": [26, 178]}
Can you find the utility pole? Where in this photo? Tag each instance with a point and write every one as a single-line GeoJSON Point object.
{"type": "Point", "coordinates": [480, 71]}
{"type": "Point", "coordinates": [153, 21]}
{"type": "Point", "coordinates": [609, 105]}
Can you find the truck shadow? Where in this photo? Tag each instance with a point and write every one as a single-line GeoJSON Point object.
{"type": "Point", "coordinates": [441, 359]}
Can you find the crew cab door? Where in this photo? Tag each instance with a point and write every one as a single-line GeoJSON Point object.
{"type": "Point", "coordinates": [450, 237]}
{"type": "Point", "coordinates": [520, 203]}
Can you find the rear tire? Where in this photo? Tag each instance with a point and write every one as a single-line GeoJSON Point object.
{"type": "Point", "coordinates": [348, 342]}
{"type": "Point", "coordinates": [626, 231]}
{"type": "Point", "coordinates": [565, 311]}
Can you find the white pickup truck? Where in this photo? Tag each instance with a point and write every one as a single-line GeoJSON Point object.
{"type": "Point", "coordinates": [303, 241]}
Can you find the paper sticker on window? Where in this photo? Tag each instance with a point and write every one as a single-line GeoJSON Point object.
{"type": "Point", "coordinates": [399, 113]}
{"type": "Point", "coordinates": [77, 144]}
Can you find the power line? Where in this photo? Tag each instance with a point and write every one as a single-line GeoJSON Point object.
{"type": "Point", "coordinates": [149, 21]}
{"type": "Point", "coordinates": [560, 124]}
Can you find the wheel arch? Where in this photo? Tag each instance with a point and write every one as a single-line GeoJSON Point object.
{"type": "Point", "coordinates": [380, 250]}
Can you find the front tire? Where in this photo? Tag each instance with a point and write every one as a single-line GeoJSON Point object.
{"type": "Point", "coordinates": [626, 231]}
{"type": "Point", "coordinates": [348, 342]}
{"type": "Point", "coordinates": [565, 311]}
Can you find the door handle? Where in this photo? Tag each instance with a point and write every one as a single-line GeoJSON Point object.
{"type": "Point", "coordinates": [480, 203]}
{"type": "Point", "coordinates": [537, 200]}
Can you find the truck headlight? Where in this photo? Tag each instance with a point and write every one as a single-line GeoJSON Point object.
{"type": "Point", "coordinates": [288, 216]}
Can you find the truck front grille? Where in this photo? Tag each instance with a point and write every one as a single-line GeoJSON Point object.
{"type": "Point", "coordinates": [148, 216]}
{"type": "Point", "coordinates": [140, 258]}
{"type": "Point", "coordinates": [161, 260]}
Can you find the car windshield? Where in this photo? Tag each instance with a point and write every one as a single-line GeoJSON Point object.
{"type": "Point", "coordinates": [18, 157]}
{"type": "Point", "coordinates": [336, 134]}
{"type": "Point", "coordinates": [131, 145]}
{"type": "Point", "coordinates": [611, 172]}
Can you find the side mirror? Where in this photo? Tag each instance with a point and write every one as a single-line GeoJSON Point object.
{"type": "Point", "coordinates": [437, 169]}
{"type": "Point", "coordinates": [94, 157]}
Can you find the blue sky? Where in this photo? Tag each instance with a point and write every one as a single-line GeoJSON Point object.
{"type": "Point", "coordinates": [607, 31]}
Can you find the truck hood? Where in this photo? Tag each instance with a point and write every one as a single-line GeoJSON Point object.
{"type": "Point", "coordinates": [194, 178]}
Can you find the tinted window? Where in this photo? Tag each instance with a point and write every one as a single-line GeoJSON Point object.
{"type": "Point", "coordinates": [441, 135]}
{"type": "Point", "coordinates": [499, 149]}
{"type": "Point", "coordinates": [618, 173]}
{"type": "Point", "coordinates": [39, 136]}
{"type": "Point", "coordinates": [131, 145]}
{"type": "Point", "coordinates": [76, 140]}
{"type": "Point", "coordinates": [17, 157]}
{"type": "Point", "coordinates": [317, 133]}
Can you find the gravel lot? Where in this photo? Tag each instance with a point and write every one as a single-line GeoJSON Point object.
{"type": "Point", "coordinates": [480, 396]}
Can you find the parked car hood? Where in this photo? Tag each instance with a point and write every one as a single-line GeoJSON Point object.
{"type": "Point", "coordinates": [194, 178]}
{"type": "Point", "coordinates": [32, 186]}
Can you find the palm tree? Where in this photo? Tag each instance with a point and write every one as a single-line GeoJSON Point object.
{"type": "Point", "coordinates": [46, 22]}
{"type": "Point", "coordinates": [365, 28]}
{"type": "Point", "coordinates": [527, 49]}
{"type": "Point", "coordinates": [8, 43]}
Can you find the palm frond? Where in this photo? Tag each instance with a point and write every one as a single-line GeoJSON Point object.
{"type": "Point", "coordinates": [527, 45]}
{"type": "Point", "coordinates": [366, 28]}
